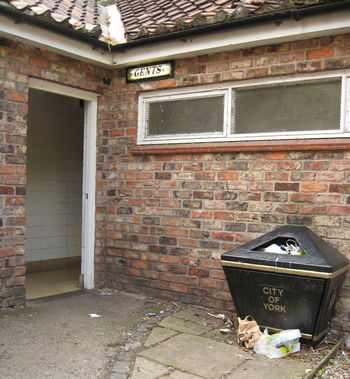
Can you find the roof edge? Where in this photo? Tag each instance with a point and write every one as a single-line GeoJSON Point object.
{"type": "Point", "coordinates": [74, 34]}
{"type": "Point", "coordinates": [276, 17]}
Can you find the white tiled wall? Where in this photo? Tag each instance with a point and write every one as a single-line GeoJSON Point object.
{"type": "Point", "coordinates": [54, 176]}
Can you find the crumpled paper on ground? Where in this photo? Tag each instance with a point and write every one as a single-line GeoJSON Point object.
{"type": "Point", "coordinates": [248, 332]}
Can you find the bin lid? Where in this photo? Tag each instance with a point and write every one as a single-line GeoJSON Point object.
{"type": "Point", "coordinates": [320, 259]}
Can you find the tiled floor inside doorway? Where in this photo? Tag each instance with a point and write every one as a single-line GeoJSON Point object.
{"type": "Point", "coordinates": [52, 282]}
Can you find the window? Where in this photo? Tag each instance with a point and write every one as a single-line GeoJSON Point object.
{"type": "Point", "coordinates": [305, 107]}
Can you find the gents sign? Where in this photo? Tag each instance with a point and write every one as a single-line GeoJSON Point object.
{"type": "Point", "coordinates": [150, 72]}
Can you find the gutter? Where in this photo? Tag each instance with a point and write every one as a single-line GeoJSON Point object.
{"type": "Point", "coordinates": [21, 17]}
{"type": "Point", "coordinates": [275, 17]}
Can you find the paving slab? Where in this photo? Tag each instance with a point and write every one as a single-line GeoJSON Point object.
{"type": "Point", "coordinates": [148, 369]}
{"type": "Point", "coordinates": [199, 316]}
{"type": "Point", "coordinates": [158, 335]}
{"type": "Point", "coordinates": [259, 367]}
{"type": "Point", "coordinates": [184, 326]}
{"type": "Point", "coordinates": [196, 355]}
{"type": "Point", "coordinates": [177, 374]}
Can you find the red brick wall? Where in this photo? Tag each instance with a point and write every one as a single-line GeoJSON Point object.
{"type": "Point", "coordinates": [164, 220]}
{"type": "Point", "coordinates": [18, 62]}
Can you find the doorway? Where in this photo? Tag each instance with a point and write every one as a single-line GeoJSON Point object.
{"type": "Point", "coordinates": [60, 189]}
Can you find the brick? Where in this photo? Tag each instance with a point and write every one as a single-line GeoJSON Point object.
{"type": "Point", "coordinates": [299, 220]}
{"type": "Point", "coordinates": [176, 269]}
{"type": "Point", "coordinates": [192, 204]}
{"type": "Point", "coordinates": [327, 221]}
{"type": "Point", "coordinates": [169, 259]}
{"type": "Point", "coordinates": [199, 234]}
{"type": "Point", "coordinates": [235, 227]}
{"type": "Point", "coordinates": [316, 165]}
{"type": "Point", "coordinates": [290, 166]}
{"type": "Point", "coordinates": [339, 210]}
{"type": "Point", "coordinates": [256, 73]}
{"type": "Point", "coordinates": [188, 223]}
{"type": "Point", "coordinates": [204, 176]}
{"type": "Point", "coordinates": [209, 245]}
{"type": "Point", "coordinates": [6, 253]}
{"type": "Point", "coordinates": [217, 274]}
{"type": "Point", "coordinates": [167, 240]}
{"type": "Point", "coordinates": [211, 263]}
{"type": "Point", "coordinates": [222, 236]}
{"type": "Point", "coordinates": [339, 188]}
{"type": "Point", "coordinates": [313, 209]}
{"type": "Point", "coordinates": [15, 281]}
{"type": "Point", "coordinates": [188, 242]}
{"type": "Point", "coordinates": [287, 187]}
{"type": "Point", "coordinates": [178, 287]}
{"type": "Point", "coordinates": [273, 219]}
{"type": "Point", "coordinates": [202, 214]}
{"type": "Point", "coordinates": [337, 63]}
{"type": "Point", "coordinates": [292, 57]}
{"type": "Point", "coordinates": [320, 53]}
{"type": "Point", "coordinates": [275, 196]}
{"type": "Point", "coordinates": [302, 197]}
{"type": "Point", "coordinates": [313, 187]}
{"type": "Point", "coordinates": [226, 195]}
{"type": "Point", "coordinates": [283, 69]}
{"type": "Point", "coordinates": [140, 265]}
{"type": "Point", "coordinates": [233, 75]}
{"type": "Point", "coordinates": [194, 262]}
{"type": "Point", "coordinates": [287, 208]}
{"type": "Point", "coordinates": [331, 176]}
{"type": "Point", "coordinates": [237, 205]}
{"type": "Point", "coordinates": [202, 273]}
{"type": "Point", "coordinates": [340, 165]}
{"type": "Point", "coordinates": [342, 50]}
{"type": "Point", "coordinates": [17, 96]}
{"type": "Point", "coordinates": [203, 195]}
{"type": "Point", "coordinates": [210, 283]}
{"type": "Point", "coordinates": [39, 62]}
{"type": "Point", "coordinates": [5, 190]}
{"type": "Point", "coordinates": [221, 215]}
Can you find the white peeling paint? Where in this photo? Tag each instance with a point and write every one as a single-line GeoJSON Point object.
{"type": "Point", "coordinates": [111, 23]}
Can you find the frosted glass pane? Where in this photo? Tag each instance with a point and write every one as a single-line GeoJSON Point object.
{"type": "Point", "coordinates": [293, 107]}
{"type": "Point", "coordinates": [186, 116]}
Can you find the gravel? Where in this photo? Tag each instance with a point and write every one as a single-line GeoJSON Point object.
{"type": "Point", "coordinates": [326, 363]}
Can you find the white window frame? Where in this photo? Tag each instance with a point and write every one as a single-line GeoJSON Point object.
{"type": "Point", "coordinates": [226, 89]}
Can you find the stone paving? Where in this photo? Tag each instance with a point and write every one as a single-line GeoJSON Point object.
{"type": "Point", "coordinates": [188, 345]}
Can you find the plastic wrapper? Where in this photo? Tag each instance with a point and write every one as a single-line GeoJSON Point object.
{"type": "Point", "coordinates": [278, 345]}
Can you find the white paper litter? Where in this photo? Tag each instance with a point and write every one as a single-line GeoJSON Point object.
{"type": "Point", "coordinates": [94, 315]}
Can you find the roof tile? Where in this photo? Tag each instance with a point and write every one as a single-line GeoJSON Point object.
{"type": "Point", "coordinates": [148, 17]}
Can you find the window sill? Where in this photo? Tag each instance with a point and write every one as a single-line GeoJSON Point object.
{"type": "Point", "coordinates": [222, 147]}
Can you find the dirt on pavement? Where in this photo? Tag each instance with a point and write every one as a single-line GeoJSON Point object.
{"type": "Point", "coordinates": [64, 337]}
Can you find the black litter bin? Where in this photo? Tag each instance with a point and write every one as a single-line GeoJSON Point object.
{"type": "Point", "coordinates": [283, 291]}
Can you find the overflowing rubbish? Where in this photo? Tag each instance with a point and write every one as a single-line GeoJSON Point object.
{"type": "Point", "coordinates": [278, 345]}
{"type": "Point", "coordinates": [248, 332]}
{"type": "Point", "coordinates": [290, 247]}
